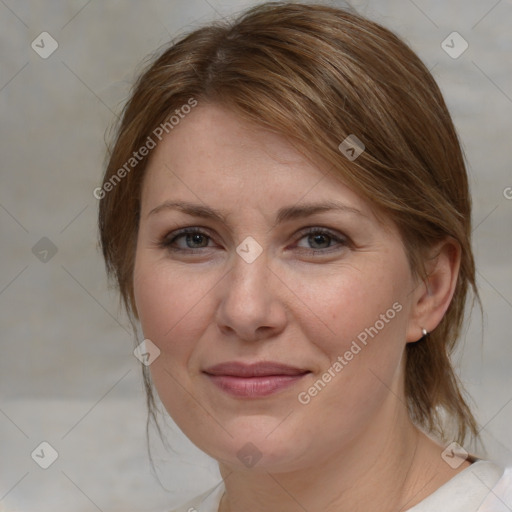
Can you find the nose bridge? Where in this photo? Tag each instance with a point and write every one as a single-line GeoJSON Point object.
{"type": "Point", "coordinates": [248, 300]}
{"type": "Point", "coordinates": [249, 268]}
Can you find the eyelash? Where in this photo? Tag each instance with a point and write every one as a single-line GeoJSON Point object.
{"type": "Point", "coordinates": [169, 239]}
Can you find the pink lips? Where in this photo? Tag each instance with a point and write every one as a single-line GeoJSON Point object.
{"type": "Point", "coordinates": [254, 380]}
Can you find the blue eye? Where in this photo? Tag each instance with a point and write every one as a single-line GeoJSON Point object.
{"type": "Point", "coordinates": [194, 239]}
{"type": "Point", "coordinates": [320, 241]}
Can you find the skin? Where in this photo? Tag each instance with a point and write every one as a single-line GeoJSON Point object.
{"type": "Point", "coordinates": [353, 445]}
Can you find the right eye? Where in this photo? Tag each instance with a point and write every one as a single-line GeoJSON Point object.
{"type": "Point", "coordinates": [192, 240]}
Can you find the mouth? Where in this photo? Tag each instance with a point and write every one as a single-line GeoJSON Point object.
{"type": "Point", "coordinates": [254, 380]}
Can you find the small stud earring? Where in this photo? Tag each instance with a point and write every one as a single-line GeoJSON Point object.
{"type": "Point", "coordinates": [424, 332]}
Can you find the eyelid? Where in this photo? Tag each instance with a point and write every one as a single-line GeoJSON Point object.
{"type": "Point", "coordinates": [171, 236]}
{"type": "Point", "coordinates": [308, 230]}
{"type": "Point", "coordinates": [341, 240]}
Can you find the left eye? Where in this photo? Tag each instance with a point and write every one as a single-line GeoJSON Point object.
{"type": "Point", "coordinates": [320, 239]}
{"type": "Point", "coordinates": [194, 240]}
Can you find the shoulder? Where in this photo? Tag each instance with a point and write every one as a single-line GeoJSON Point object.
{"type": "Point", "coordinates": [208, 501]}
{"type": "Point", "coordinates": [482, 487]}
{"type": "Point", "coordinates": [499, 497]}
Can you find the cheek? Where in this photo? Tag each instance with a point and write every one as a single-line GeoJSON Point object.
{"type": "Point", "coordinates": [171, 306]}
{"type": "Point", "coordinates": [166, 296]}
{"type": "Point", "coordinates": [354, 304]}
{"type": "Point", "coordinates": [360, 328]}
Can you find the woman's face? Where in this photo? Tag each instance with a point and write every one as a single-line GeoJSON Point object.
{"type": "Point", "coordinates": [268, 278]}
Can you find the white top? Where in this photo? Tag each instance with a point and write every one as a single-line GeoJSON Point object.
{"type": "Point", "coordinates": [481, 487]}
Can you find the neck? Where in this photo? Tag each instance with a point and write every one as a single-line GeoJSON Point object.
{"type": "Point", "coordinates": [387, 472]}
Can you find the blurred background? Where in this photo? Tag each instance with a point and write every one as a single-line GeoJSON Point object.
{"type": "Point", "coordinates": [68, 376]}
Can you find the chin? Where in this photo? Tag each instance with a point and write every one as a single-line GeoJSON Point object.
{"type": "Point", "coordinates": [256, 445]}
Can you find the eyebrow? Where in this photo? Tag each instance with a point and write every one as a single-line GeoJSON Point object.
{"type": "Point", "coordinates": [284, 214]}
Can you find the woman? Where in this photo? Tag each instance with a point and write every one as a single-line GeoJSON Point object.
{"type": "Point", "coordinates": [286, 213]}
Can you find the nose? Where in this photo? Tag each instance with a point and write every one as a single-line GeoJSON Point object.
{"type": "Point", "coordinates": [251, 306]}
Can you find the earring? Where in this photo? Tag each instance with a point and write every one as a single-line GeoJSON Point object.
{"type": "Point", "coordinates": [424, 332]}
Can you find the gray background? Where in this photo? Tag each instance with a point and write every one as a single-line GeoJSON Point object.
{"type": "Point", "coordinates": [67, 373]}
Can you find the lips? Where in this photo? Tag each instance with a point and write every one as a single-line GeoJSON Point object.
{"type": "Point", "coordinates": [262, 369]}
{"type": "Point", "coordinates": [254, 380]}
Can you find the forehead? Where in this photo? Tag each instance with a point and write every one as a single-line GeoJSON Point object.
{"type": "Point", "coordinates": [215, 157]}
{"type": "Point", "coordinates": [219, 140]}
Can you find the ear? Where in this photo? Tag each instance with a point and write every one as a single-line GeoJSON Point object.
{"type": "Point", "coordinates": [434, 292]}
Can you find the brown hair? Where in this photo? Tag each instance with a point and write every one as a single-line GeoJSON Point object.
{"type": "Point", "coordinates": [318, 74]}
